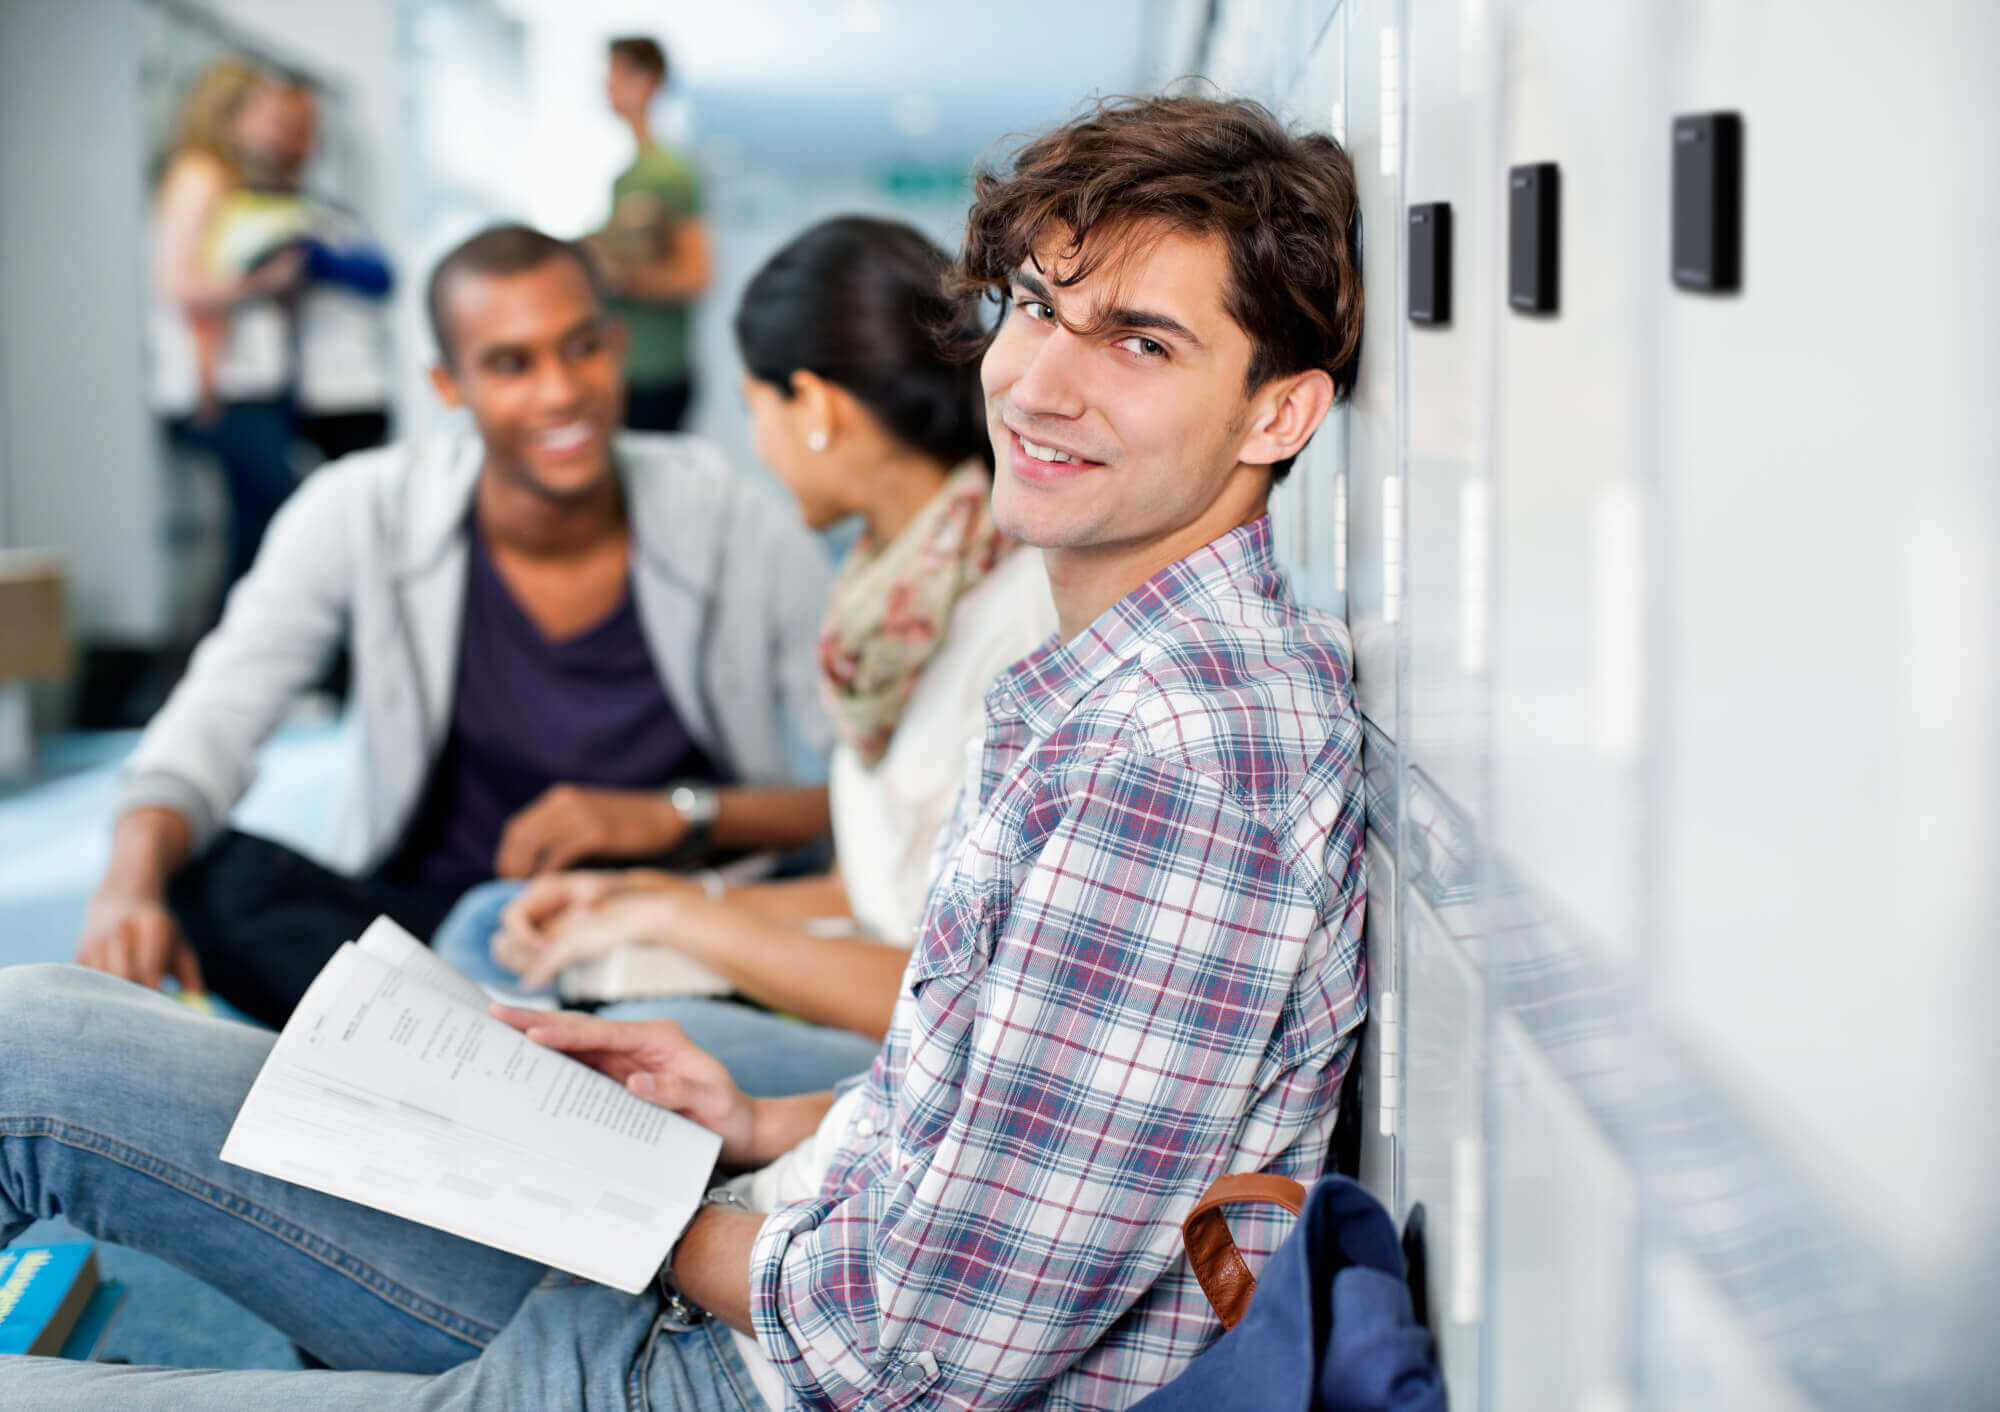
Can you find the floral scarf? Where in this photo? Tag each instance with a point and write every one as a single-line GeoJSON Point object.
{"type": "Point", "coordinates": [890, 603]}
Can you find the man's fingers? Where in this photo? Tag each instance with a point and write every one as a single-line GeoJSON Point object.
{"type": "Point", "coordinates": [587, 1032]}
{"type": "Point", "coordinates": [521, 1019]}
{"type": "Point", "coordinates": [528, 832]}
{"type": "Point", "coordinates": [525, 835]}
{"type": "Point", "coordinates": [187, 970]}
{"type": "Point", "coordinates": [567, 1030]}
{"type": "Point", "coordinates": [149, 950]}
{"type": "Point", "coordinates": [111, 953]}
{"type": "Point", "coordinates": [516, 852]}
{"type": "Point", "coordinates": [561, 848]}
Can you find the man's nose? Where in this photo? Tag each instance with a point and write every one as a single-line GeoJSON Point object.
{"type": "Point", "coordinates": [556, 383]}
{"type": "Point", "coordinates": [1051, 385]}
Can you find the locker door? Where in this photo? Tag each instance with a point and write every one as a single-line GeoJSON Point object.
{"type": "Point", "coordinates": [1569, 703]}
{"type": "Point", "coordinates": [1309, 510]}
{"type": "Point", "coordinates": [1373, 113]}
{"type": "Point", "coordinates": [1828, 810]}
{"type": "Point", "coordinates": [1445, 1019]}
{"type": "Point", "coordinates": [1452, 158]}
{"type": "Point", "coordinates": [1560, 1297]}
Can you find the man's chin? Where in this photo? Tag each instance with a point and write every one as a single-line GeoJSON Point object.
{"type": "Point", "coordinates": [1036, 519]}
{"type": "Point", "coordinates": [562, 486]}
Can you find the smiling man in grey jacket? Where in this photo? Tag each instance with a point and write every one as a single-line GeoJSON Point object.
{"type": "Point", "coordinates": [568, 645]}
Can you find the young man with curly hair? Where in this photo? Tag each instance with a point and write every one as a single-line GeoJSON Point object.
{"type": "Point", "coordinates": [1140, 965]}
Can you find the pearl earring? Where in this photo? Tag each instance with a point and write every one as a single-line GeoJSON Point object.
{"type": "Point", "coordinates": [817, 441]}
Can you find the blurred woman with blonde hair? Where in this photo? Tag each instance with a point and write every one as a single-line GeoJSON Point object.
{"type": "Point", "coordinates": [225, 258]}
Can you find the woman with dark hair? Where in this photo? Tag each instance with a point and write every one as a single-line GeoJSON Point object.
{"type": "Point", "coordinates": [858, 404]}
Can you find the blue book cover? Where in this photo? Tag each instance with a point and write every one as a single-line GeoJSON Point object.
{"type": "Point", "coordinates": [43, 1291]}
{"type": "Point", "coordinates": [86, 1340]}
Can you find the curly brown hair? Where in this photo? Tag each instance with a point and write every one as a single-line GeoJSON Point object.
{"type": "Point", "coordinates": [1284, 205]}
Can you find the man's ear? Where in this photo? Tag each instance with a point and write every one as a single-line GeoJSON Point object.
{"type": "Point", "coordinates": [445, 383]}
{"type": "Point", "coordinates": [1283, 416]}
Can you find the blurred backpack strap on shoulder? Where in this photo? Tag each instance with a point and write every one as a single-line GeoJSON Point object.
{"type": "Point", "coordinates": [1211, 1249]}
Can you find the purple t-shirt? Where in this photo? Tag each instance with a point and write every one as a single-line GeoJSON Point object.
{"type": "Point", "coordinates": [530, 713]}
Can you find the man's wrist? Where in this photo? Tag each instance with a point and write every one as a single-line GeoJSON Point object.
{"type": "Point", "coordinates": [697, 806]}
{"type": "Point", "coordinates": [678, 1306]}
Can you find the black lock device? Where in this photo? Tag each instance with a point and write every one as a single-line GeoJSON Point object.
{"type": "Point", "coordinates": [1430, 263]}
{"type": "Point", "coordinates": [1533, 209]}
{"type": "Point", "coordinates": [1708, 202]}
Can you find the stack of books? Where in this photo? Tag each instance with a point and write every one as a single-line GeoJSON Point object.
{"type": "Point", "coordinates": [53, 1302]}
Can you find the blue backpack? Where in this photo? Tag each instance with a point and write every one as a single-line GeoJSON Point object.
{"type": "Point", "coordinates": [1331, 1327]}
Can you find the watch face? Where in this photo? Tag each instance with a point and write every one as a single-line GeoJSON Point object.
{"type": "Point", "coordinates": [695, 803]}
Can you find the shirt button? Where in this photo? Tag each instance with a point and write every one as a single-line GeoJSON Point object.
{"type": "Point", "coordinates": [920, 1369]}
{"type": "Point", "coordinates": [864, 1127]}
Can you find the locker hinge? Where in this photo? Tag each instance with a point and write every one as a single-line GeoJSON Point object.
{"type": "Point", "coordinates": [1468, 1230]}
{"type": "Point", "coordinates": [1389, 1061]}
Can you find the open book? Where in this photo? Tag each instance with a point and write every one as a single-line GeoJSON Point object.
{"type": "Point", "coordinates": [393, 1087]}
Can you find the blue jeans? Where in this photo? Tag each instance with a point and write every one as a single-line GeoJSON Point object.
{"type": "Point", "coordinates": [114, 1102]}
{"type": "Point", "coordinates": [768, 1055]}
{"type": "Point", "coordinates": [252, 441]}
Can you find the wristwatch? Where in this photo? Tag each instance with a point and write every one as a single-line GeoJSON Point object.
{"type": "Point", "coordinates": [677, 1309]}
{"type": "Point", "coordinates": [698, 805]}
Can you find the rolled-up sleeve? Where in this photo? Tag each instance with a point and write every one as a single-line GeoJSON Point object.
{"type": "Point", "coordinates": [1077, 1075]}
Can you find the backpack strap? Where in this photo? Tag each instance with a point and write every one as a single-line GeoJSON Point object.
{"type": "Point", "coordinates": [1211, 1249]}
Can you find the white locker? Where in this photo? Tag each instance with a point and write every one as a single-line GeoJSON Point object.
{"type": "Point", "coordinates": [1832, 600]}
{"type": "Point", "coordinates": [1450, 157]}
{"type": "Point", "coordinates": [1569, 686]}
{"type": "Point", "coordinates": [1373, 119]}
{"type": "Point", "coordinates": [1443, 1143]}
{"type": "Point", "coordinates": [1566, 1223]}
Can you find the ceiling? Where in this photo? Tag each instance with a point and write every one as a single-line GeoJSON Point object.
{"type": "Point", "coordinates": [858, 81]}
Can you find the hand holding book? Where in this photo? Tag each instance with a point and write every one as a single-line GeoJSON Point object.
{"type": "Point", "coordinates": [394, 1087]}
{"type": "Point", "coordinates": [656, 1062]}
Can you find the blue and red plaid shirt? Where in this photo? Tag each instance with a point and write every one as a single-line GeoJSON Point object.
{"type": "Point", "coordinates": [1139, 968]}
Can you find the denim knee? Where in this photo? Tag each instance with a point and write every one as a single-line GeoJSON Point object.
{"type": "Point", "coordinates": [33, 994]}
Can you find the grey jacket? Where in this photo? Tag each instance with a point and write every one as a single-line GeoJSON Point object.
{"type": "Point", "coordinates": [729, 588]}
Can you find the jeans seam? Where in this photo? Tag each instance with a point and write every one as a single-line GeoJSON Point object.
{"type": "Point", "coordinates": [729, 1372]}
{"type": "Point", "coordinates": [639, 1381]}
{"type": "Point", "coordinates": [640, 1374]}
{"type": "Point", "coordinates": [331, 1255]}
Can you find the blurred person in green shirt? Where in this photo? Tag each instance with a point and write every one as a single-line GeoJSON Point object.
{"type": "Point", "coordinates": [653, 250]}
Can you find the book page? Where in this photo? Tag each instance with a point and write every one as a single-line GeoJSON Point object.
{"type": "Point", "coordinates": [386, 1090]}
{"type": "Point", "coordinates": [389, 943]}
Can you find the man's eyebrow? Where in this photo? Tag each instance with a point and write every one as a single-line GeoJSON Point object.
{"type": "Point", "coordinates": [1158, 323]}
{"type": "Point", "coordinates": [1033, 286]}
{"type": "Point", "coordinates": [1116, 318]}
{"type": "Point", "coordinates": [491, 351]}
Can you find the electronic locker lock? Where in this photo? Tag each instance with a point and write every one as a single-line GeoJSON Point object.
{"type": "Point", "coordinates": [1708, 202]}
{"type": "Point", "coordinates": [1533, 250]}
{"type": "Point", "coordinates": [1430, 263]}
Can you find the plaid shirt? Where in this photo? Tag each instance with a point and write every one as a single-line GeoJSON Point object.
{"type": "Point", "coordinates": [1139, 968]}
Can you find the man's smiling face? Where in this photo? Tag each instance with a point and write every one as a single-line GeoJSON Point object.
{"type": "Point", "coordinates": [1118, 405]}
{"type": "Point", "coordinates": [541, 367]}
